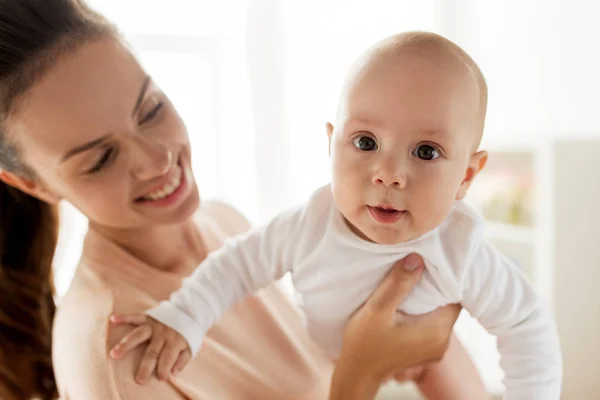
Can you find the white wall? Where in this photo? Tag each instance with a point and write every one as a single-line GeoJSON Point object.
{"type": "Point", "coordinates": [541, 59]}
{"type": "Point", "coordinates": [568, 39]}
{"type": "Point", "coordinates": [576, 255]}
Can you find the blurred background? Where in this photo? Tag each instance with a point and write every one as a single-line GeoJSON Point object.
{"type": "Point", "coordinates": [256, 81]}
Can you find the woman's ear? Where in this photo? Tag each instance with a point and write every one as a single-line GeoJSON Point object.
{"type": "Point", "coordinates": [28, 186]}
{"type": "Point", "coordinates": [476, 164]}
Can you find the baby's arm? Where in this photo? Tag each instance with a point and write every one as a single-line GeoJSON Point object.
{"type": "Point", "coordinates": [499, 296]}
{"type": "Point", "coordinates": [242, 266]}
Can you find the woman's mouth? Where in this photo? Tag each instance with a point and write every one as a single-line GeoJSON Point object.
{"type": "Point", "coordinates": [170, 192]}
{"type": "Point", "coordinates": [385, 214]}
{"type": "Point", "coordinates": [168, 189]}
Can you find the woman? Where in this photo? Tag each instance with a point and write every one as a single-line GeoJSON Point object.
{"type": "Point", "coordinates": [81, 121]}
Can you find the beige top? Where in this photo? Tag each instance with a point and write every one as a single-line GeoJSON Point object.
{"type": "Point", "coordinates": [259, 350]}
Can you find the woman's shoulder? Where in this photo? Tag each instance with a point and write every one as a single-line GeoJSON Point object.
{"type": "Point", "coordinates": [222, 217]}
{"type": "Point", "coordinates": [79, 333]}
{"type": "Point", "coordinates": [83, 336]}
{"type": "Point", "coordinates": [87, 298]}
{"type": "Point", "coordinates": [95, 294]}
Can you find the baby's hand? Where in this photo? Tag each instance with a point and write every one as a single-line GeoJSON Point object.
{"type": "Point", "coordinates": [168, 352]}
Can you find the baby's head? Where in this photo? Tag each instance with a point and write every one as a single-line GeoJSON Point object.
{"type": "Point", "coordinates": [405, 143]}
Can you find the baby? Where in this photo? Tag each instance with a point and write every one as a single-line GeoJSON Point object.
{"type": "Point", "coordinates": [404, 151]}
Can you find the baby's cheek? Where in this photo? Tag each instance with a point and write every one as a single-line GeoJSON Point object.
{"type": "Point", "coordinates": [431, 211]}
{"type": "Point", "coordinates": [346, 176]}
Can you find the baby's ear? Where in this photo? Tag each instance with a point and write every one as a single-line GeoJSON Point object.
{"type": "Point", "coordinates": [476, 164]}
{"type": "Point", "coordinates": [329, 128]}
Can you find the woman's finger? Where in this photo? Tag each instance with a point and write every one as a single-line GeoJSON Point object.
{"type": "Point", "coordinates": [148, 364]}
{"type": "Point", "coordinates": [129, 319]}
{"type": "Point", "coordinates": [132, 340]}
{"type": "Point", "coordinates": [397, 284]}
{"type": "Point", "coordinates": [184, 358]}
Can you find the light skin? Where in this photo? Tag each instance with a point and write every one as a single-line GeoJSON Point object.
{"type": "Point", "coordinates": [100, 135]}
{"type": "Point", "coordinates": [405, 137]}
{"type": "Point", "coordinates": [99, 100]}
{"type": "Point", "coordinates": [404, 146]}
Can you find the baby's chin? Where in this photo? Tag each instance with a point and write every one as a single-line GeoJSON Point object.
{"type": "Point", "coordinates": [387, 236]}
{"type": "Point", "coordinates": [398, 233]}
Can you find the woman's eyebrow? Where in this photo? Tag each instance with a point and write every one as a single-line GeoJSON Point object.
{"type": "Point", "coordinates": [96, 142]}
{"type": "Point", "coordinates": [143, 90]}
{"type": "Point", "coordinates": [85, 147]}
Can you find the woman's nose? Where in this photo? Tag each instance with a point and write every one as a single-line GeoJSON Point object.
{"type": "Point", "coordinates": [152, 159]}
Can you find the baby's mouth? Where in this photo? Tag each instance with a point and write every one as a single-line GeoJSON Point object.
{"type": "Point", "coordinates": [385, 214]}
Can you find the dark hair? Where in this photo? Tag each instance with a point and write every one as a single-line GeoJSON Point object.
{"type": "Point", "coordinates": [33, 35]}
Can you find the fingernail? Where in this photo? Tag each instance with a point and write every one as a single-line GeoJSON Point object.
{"type": "Point", "coordinates": [412, 262]}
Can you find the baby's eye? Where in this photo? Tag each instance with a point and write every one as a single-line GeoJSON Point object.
{"type": "Point", "coordinates": [426, 152]}
{"type": "Point", "coordinates": [365, 143]}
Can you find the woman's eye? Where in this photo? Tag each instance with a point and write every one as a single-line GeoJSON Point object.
{"type": "Point", "coordinates": [426, 152]}
{"type": "Point", "coordinates": [152, 113]}
{"type": "Point", "coordinates": [106, 157]}
{"type": "Point", "coordinates": [365, 143]}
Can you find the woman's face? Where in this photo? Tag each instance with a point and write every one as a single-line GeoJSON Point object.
{"type": "Point", "coordinates": [99, 133]}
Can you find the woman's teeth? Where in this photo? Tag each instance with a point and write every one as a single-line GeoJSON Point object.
{"type": "Point", "coordinates": [169, 188]}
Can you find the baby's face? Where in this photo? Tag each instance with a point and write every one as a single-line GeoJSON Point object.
{"type": "Point", "coordinates": [403, 148]}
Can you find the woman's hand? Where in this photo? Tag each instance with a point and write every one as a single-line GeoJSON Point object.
{"type": "Point", "coordinates": [379, 341]}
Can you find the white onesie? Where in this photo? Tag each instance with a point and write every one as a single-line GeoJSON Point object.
{"type": "Point", "coordinates": [334, 272]}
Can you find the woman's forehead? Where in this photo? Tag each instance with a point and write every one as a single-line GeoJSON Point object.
{"type": "Point", "coordinates": [84, 95]}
